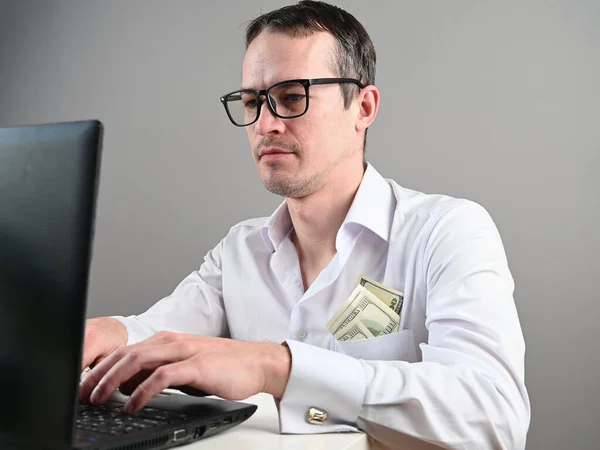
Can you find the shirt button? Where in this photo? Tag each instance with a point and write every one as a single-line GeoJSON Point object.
{"type": "Point", "coordinates": [296, 280]}
{"type": "Point", "coordinates": [301, 334]}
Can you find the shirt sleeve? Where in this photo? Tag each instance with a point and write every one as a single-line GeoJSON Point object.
{"type": "Point", "coordinates": [194, 307]}
{"type": "Point", "coordinates": [468, 391]}
{"type": "Point", "coordinates": [325, 380]}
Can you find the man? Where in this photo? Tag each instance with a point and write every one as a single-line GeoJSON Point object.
{"type": "Point", "coordinates": [451, 375]}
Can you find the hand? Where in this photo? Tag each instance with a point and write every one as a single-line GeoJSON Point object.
{"type": "Point", "coordinates": [230, 369]}
{"type": "Point", "coordinates": [103, 335]}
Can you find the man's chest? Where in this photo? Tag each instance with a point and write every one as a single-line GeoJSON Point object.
{"type": "Point", "coordinates": [266, 300]}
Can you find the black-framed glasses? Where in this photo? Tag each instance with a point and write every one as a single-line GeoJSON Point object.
{"type": "Point", "coordinates": [286, 99]}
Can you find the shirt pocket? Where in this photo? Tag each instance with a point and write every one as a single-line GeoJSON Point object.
{"type": "Point", "coordinates": [397, 346]}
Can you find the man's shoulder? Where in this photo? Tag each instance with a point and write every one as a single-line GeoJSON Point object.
{"type": "Point", "coordinates": [249, 226]}
{"type": "Point", "coordinates": [442, 212]}
{"type": "Point", "coordinates": [246, 234]}
{"type": "Point", "coordinates": [410, 201]}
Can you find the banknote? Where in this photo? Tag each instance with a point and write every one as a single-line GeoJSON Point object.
{"type": "Point", "coordinates": [356, 332]}
{"type": "Point", "coordinates": [365, 308]}
{"type": "Point", "coordinates": [391, 297]}
{"type": "Point", "coordinates": [342, 309]}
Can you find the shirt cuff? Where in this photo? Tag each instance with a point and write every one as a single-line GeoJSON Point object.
{"type": "Point", "coordinates": [136, 331]}
{"type": "Point", "coordinates": [322, 379]}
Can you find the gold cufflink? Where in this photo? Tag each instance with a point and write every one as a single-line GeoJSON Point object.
{"type": "Point", "coordinates": [317, 416]}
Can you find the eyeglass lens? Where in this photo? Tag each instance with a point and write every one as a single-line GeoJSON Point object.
{"type": "Point", "coordinates": [287, 100]}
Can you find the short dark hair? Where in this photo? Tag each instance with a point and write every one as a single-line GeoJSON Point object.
{"type": "Point", "coordinates": [354, 55]}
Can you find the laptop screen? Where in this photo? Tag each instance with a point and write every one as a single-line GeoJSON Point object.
{"type": "Point", "coordinates": [48, 179]}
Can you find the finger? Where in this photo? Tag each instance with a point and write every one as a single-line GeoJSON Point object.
{"type": "Point", "coordinates": [129, 386]}
{"type": "Point", "coordinates": [87, 385]}
{"type": "Point", "coordinates": [90, 354]}
{"type": "Point", "coordinates": [102, 365]}
{"type": "Point", "coordinates": [176, 374]}
{"type": "Point", "coordinates": [137, 359]}
{"type": "Point", "coordinates": [89, 362]}
{"type": "Point", "coordinates": [86, 359]}
{"type": "Point", "coordinates": [87, 351]}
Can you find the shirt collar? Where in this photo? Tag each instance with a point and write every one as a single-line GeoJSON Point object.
{"type": "Point", "coordinates": [373, 205]}
{"type": "Point", "coordinates": [277, 227]}
{"type": "Point", "coordinates": [372, 208]}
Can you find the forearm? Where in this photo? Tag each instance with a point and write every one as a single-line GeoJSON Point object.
{"type": "Point", "coordinates": [399, 402]}
{"type": "Point", "coordinates": [194, 307]}
{"type": "Point", "coordinates": [451, 407]}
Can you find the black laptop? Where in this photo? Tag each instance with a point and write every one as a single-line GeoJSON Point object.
{"type": "Point", "coordinates": [48, 186]}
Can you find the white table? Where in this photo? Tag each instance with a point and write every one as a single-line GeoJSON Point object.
{"type": "Point", "coordinates": [261, 431]}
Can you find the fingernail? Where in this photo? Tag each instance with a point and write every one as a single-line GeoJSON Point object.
{"type": "Point", "coordinates": [128, 408]}
{"type": "Point", "coordinates": [95, 397]}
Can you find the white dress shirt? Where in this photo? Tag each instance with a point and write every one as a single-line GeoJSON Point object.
{"type": "Point", "coordinates": [453, 375]}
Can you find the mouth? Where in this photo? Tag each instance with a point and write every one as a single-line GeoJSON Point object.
{"type": "Point", "coordinates": [274, 152]}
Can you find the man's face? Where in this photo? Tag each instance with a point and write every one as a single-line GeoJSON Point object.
{"type": "Point", "coordinates": [312, 148]}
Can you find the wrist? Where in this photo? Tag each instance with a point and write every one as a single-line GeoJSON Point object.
{"type": "Point", "coordinates": [110, 329]}
{"type": "Point", "coordinates": [277, 364]}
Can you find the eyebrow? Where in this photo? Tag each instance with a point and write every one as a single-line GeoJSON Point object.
{"type": "Point", "coordinates": [268, 85]}
{"type": "Point", "coordinates": [252, 88]}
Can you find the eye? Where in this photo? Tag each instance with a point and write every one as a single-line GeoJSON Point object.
{"type": "Point", "coordinates": [294, 97]}
{"type": "Point", "coordinates": [250, 104]}
{"type": "Point", "coordinates": [249, 100]}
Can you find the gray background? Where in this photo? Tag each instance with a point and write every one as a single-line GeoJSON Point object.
{"type": "Point", "coordinates": [493, 101]}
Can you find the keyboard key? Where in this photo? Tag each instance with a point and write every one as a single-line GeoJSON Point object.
{"type": "Point", "coordinates": [110, 419]}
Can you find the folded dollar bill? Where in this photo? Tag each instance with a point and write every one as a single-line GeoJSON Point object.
{"type": "Point", "coordinates": [391, 297]}
{"type": "Point", "coordinates": [363, 316]}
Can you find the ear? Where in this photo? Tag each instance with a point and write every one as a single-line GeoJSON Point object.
{"type": "Point", "coordinates": [368, 105]}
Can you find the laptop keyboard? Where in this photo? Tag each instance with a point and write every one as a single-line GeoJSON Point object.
{"type": "Point", "coordinates": [111, 420]}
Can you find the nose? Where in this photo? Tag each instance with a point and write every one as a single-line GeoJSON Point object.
{"type": "Point", "coordinates": [268, 123]}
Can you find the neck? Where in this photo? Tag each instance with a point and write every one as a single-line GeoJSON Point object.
{"type": "Point", "coordinates": [318, 216]}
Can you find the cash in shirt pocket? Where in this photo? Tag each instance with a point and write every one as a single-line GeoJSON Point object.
{"type": "Point", "coordinates": [396, 346]}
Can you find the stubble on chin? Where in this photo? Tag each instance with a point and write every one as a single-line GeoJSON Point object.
{"type": "Point", "coordinates": [287, 185]}
{"type": "Point", "coordinates": [279, 181]}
